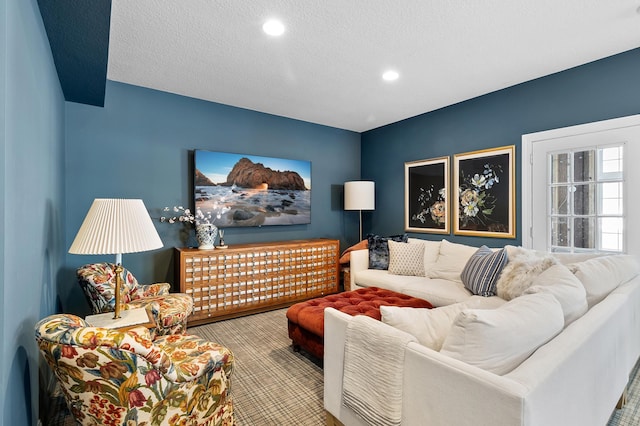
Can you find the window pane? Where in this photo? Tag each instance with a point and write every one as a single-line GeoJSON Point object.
{"type": "Point", "coordinates": [611, 233]}
{"type": "Point", "coordinates": [559, 164]}
{"type": "Point", "coordinates": [559, 232]}
{"type": "Point", "coordinates": [584, 199]}
{"type": "Point", "coordinates": [611, 198]}
{"type": "Point", "coordinates": [611, 160]}
{"type": "Point", "coordinates": [584, 232]}
{"type": "Point", "coordinates": [560, 200]}
{"type": "Point", "coordinates": [584, 166]}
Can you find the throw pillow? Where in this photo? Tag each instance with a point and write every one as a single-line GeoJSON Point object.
{"type": "Point", "coordinates": [498, 340]}
{"type": "Point", "coordinates": [451, 261]}
{"type": "Point", "coordinates": [379, 249]}
{"type": "Point", "coordinates": [561, 283]}
{"type": "Point", "coordinates": [406, 259]}
{"type": "Point", "coordinates": [429, 326]}
{"type": "Point", "coordinates": [431, 252]}
{"type": "Point", "coordinates": [345, 257]}
{"type": "Point", "coordinates": [601, 275]}
{"type": "Point", "coordinates": [520, 271]}
{"type": "Point", "coordinates": [481, 272]}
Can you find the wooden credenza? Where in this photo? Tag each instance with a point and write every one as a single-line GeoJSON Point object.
{"type": "Point", "coordinates": [249, 278]}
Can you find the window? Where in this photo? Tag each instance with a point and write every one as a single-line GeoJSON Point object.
{"type": "Point", "coordinates": [579, 187]}
{"type": "Point", "coordinates": [585, 197]}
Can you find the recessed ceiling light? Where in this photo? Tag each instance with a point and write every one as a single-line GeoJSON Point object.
{"type": "Point", "coordinates": [390, 75]}
{"type": "Point", "coordinates": [273, 27]}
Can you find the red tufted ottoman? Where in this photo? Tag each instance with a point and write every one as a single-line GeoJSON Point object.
{"type": "Point", "coordinates": [306, 319]}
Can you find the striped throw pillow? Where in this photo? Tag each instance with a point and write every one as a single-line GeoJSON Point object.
{"type": "Point", "coordinates": [481, 272]}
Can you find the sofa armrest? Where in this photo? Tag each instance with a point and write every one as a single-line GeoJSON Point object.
{"type": "Point", "coordinates": [436, 386]}
{"type": "Point", "coordinates": [156, 289]}
{"type": "Point", "coordinates": [432, 385]}
{"type": "Point", "coordinates": [359, 262]}
{"type": "Point", "coordinates": [335, 333]}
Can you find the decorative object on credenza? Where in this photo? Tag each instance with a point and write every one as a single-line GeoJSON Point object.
{"type": "Point", "coordinates": [205, 230]}
{"type": "Point", "coordinates": [180, 215]}
{"type": "Point", "coordinates": [206, 235]}
{"type": "Point", "coordinates": [426, 196]}
{"type": "Point", "coordinates": [116, 226]}
{"type": "Point", "coordinates": [222, 244]}
{"type": "Point", "coordinates": [484, 182]}
{"type": "Point", "coordinates": [247, 190]}
{"type": "Point", "coordinates": [360, 195]}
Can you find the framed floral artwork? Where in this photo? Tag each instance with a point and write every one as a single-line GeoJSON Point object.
{"type": "Point", "coordinates": [484, 183]}
{"type": "Point", "coordinates": [426, 204]}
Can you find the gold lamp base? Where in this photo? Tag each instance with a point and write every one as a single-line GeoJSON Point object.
{"type": "Point", "coordinates": [116, 311]}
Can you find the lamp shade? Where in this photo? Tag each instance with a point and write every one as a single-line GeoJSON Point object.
{"type": "Point", "coordinates": [359, 195]}
{"type": "Point", "coordinates": [116, 226]}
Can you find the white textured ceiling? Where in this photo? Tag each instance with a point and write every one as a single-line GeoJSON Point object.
{"type": "Point", "coordinates": [327, 66]}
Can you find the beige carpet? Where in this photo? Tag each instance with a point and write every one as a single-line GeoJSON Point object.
{"type": "Point", "coordinates": [272, 385]}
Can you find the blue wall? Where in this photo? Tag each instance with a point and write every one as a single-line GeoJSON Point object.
{"type": "Point", "coordinates": [596, 91]}
{"type": "Point", "coordinates": [140, 146]}
{"type": "Point", "coordinates": [32, 194]}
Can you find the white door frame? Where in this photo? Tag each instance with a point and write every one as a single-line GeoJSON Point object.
{"type": "Point", "coordinates": [527, 160]}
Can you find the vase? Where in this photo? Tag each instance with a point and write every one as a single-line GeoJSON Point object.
{"type": "Point", "coordinates": [206, 235]}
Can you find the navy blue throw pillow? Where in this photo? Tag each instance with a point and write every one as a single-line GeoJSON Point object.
{"type": "Point", "coordinates": [379, 249]}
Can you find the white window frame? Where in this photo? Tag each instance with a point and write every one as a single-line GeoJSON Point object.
{"type": "Point", "coordinates": [528, 141]}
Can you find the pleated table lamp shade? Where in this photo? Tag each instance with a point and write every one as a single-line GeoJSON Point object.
{"type": "Point", "coordinates": [116, 226]}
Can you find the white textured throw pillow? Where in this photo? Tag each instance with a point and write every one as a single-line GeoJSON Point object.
{"type": "Point", "coordinates": [406, 259]}
{"type": "Point", "coordinates": [431, 251]}
{"type": "Point", "coordinates": [601, 275]}
{"type": "Point", "coordinates": [498, 340]}
{"type": "Point", "coordinates": [451, 260]}
{"type": "Point", "coordinates": [521, 269]}
{"type": "Point", "coordinates": [560, 282]}
{"type": "Point", "coordinates": [429, 326]}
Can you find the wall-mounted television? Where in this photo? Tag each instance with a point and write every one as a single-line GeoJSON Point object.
{"type": "Point", "coordinates": [234, 190]}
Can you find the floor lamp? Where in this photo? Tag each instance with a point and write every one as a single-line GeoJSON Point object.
{"type": "Point", "coordinates": [360, 195]}
{"type": "Point", "coordinates": [116, 226]}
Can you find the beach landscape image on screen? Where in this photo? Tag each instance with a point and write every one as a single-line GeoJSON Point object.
{"type": "Point", "coordinates": [248, 190]}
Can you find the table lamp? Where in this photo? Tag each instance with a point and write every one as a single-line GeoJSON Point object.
{"type": "Point", "coordinates": [116, 226]}
{"type": "Point", "coordinates": [360, 195]}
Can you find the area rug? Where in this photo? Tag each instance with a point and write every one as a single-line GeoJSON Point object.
{"type": "Point", "coordinates": [272, 385]}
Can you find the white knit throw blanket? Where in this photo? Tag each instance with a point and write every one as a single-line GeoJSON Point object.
{"type": "Point", "coordinates": [373, 365]}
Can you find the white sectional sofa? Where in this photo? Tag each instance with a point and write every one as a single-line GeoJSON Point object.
{"type": "Point", "coordinates": [567, 362]}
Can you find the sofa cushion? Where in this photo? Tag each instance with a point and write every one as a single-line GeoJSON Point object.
{"type": "Point", "coordinates": [379, 249]}
{"type": "Point", "coordinates": [431, 251]}
{"type": "Point", "coordinates": [601, 275]}
{"type": "Point", "coordinates": [481, 272]}
{"type": "Point", "coordinates": [498, 340]}
{"type": "Point", "coordinates": [406, 259]}
{"type": "Point", "coordinates": [429, 326]}
{"type": "Point", "coordinates": [383, 279]}
{"type": "Point", "coordinates": [521, 269]}
{"type": "Point", "coordinates": [437, 291]}
{"type": "Point", "coordinates": [566, 287]}
{"type": "Point", "coordinates": [451, 260]}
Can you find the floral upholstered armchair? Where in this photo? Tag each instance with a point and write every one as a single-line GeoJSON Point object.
{"type": "Point", "coordinates": [124, 378]}
{"type": "Point", "coordinates": [169, 310]}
